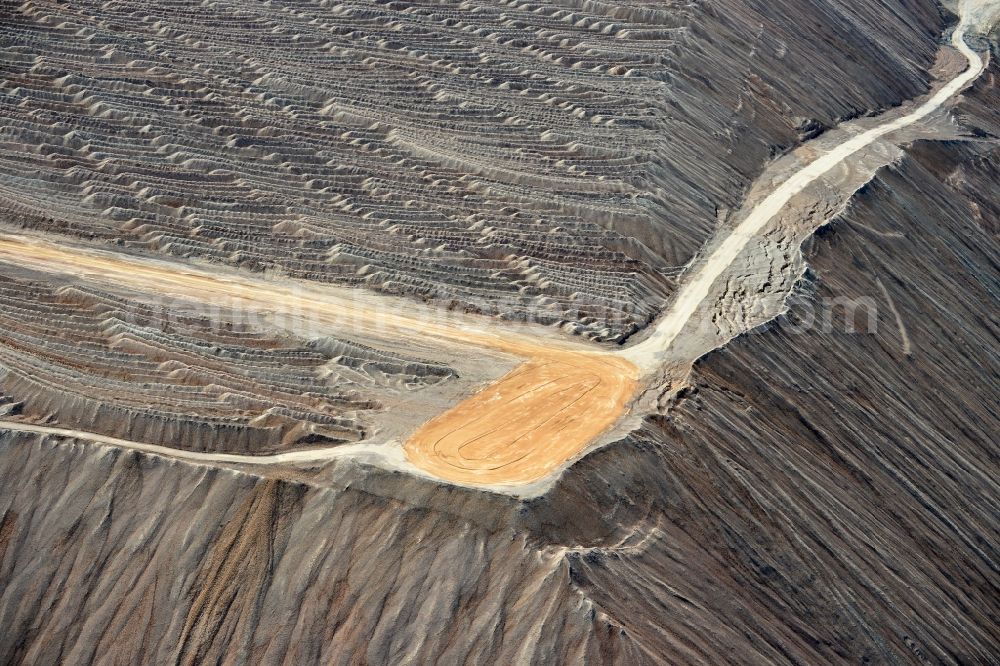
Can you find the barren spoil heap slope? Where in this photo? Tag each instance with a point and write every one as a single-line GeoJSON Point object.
{"type": "Point", "coordinates": [817, 496]}
{"type": "Point", "coordinates": [552, 160]}
{"type": "Point", "coordinates": [820, 494]}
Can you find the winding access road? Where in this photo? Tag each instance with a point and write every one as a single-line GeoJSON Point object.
{"type": "Point", "coordinates": [526, 425]}
{"type": "Point", "coordinates": [649, 353]}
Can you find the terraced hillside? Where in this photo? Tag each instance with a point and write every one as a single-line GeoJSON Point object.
{"type": "Point", "coordinates": [76, 355]}
{"type": "Point", "coordinates": [749, 523]}
{"type": "Point", "coordinates": [819, 489]}
{"type": "Point", "coordinates": [556, 161]}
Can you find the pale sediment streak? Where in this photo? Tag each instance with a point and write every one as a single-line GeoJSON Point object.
{"type": "Point", "coordinates": [289, 457]}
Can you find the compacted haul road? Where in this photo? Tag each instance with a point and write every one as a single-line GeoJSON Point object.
{"type": "Point", "coordinates": [529, 423]}
{"type": "Point", "coordinates": [649, 353]}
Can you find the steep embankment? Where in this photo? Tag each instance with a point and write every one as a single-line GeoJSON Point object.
{"type": "Point", "coordinates": [142, 560]}
{"type": "Point", "coordinates": [818, 495]}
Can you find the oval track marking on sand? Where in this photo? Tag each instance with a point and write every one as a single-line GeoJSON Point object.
{"type": "Point", "coordinates": [562, 397]}
{"type": "Point", "coordinates": [528, 423]}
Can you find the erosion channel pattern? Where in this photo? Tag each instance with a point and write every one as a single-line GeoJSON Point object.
{"type": "Point", "coordinates": [210, 435]}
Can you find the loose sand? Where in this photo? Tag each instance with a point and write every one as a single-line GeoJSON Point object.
{"type": "Point", "coordinates": [530, 422]}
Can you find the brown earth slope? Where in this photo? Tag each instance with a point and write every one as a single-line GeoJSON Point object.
{"type": "Point", "coordinates": [817, 496]}
{"type": "Point", "coordinates": [821, 493]}
{"type": "Point", "coordinates": [822, 496]}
